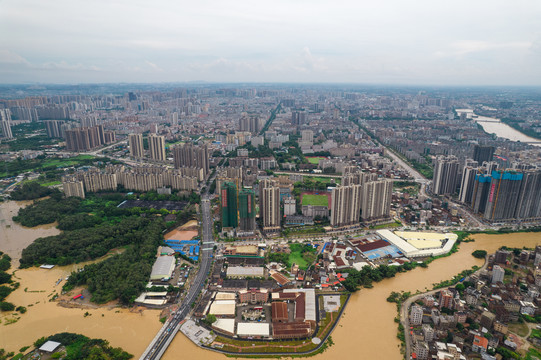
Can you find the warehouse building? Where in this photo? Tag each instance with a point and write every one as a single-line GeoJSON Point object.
{"type": "Point", "coordinates": [163, 268]}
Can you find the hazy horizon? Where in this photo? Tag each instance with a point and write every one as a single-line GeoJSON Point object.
{"type": "Point", "coordinates": [391, 43]}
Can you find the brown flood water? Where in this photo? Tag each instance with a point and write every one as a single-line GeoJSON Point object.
{"type": "Point", "coordinates": [366, 331]}
{"type": "Point", "coordinates": [129, 330]}
{"type": "Point", "coordinates": [14, 237]}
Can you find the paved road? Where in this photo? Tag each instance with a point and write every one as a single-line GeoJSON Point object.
{"type": "Point", "coordinates": [404, 317]}
{"type": "Point", "coordinates": [414, 173]}
{"type": "Point", "coordinates": [337, 176]}
{"type": "Point", "coordinates": [164, 337]}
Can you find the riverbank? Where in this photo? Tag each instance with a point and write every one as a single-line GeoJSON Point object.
{"type": "Point", "coordinates": [404, 306]}
{"type": "Point", "coordinates": [130, 329]}
{"type": "Point", "coordinates": [367, 329]}
{"type": "Point", "coordinates": [495, 126]}
{"type": "Point", "coordinates": [15, 237]}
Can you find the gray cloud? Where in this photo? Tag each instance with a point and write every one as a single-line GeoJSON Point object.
{"type": "Point", "coordinates": [393, 41]}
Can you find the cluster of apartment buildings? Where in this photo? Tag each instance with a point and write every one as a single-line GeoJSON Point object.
{"type": "Point", "coordinates": [366, 197]}
{"type": "Point", "coordinates": [497, 194]}
{"type": "Point", "coordinates": [87, 138]}
{"type": "Point", "coordinates": [473, 319]}
{"type": "Point", "coordinates": [137, 178]}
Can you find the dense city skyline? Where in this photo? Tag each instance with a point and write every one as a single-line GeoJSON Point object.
{"type": "Point", "coordinates": [484, 43]}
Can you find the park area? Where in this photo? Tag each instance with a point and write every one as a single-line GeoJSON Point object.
{"type": "Point", "coordinates": [302, 255]}
{"type": "Point", "coordinates": [315, 199]}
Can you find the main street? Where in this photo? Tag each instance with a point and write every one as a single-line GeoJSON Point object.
{"type": "Point", "coordinates": [164, 337]}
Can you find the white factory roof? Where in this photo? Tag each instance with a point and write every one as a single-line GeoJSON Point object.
{"type": "Point", "coordinates": [49, 346]}
{"type": "Point", "coordinates": [417, 238]}
{"type": "Point", "coordinates": [142, 299]}
{"type": "Point", "coordinates": [223, 307]}
{"type": "Point", "coordinates": [225, 325]}
{"type": "Point", "coordinates": [253, 329]}
{"type": "Point", "coordinates": [310, 302]}
{"type": "Point", "coordinates": [359, 265]}
{"type": "Point", "coordinates": [255, 271]}
{"type": "Point", "coordinates": [163, 268]}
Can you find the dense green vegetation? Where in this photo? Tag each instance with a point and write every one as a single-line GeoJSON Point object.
{"type": "Point", "coordinates": [43, 163]}
{"type": "Point", "coordinates": [368, 274]}
{"type": "Point", "coordinates": [193, 198]}
{"type": "Point", "coordinates": [480, 254]}
{"type": "Point", "coordinates": [83, 244]}
{"type": "Point", "coordinates": [31, 190]}
{"type": "Point", "coordinates": [81, 347]}
{"type": "Point", "coordinates": [301, 254]}
{"type": "Point", "coordinates": [7, 285]}
{"type": "Point", "coordinates": [424, 168]}
{"type": "Point", "coordinates": [92, 227]}
{"type": "Point", "coordinates": [37, 142]}
{"type": "Point", "coordinates": [47, 211]}
{"type": "Point", "coordinates": [123, 276]}
{"type": "Point", "coordinates": [456, 278]}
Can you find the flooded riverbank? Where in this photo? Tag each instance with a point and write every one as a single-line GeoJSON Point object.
{"type": "Point", "coordinates": [14, 237]}
{"type": "Point", "coordinates": [367, 329]}
{"type": "Point", "coordinates": [121, 327]}
{"type": "Point", "coordinates": [130, 330]}
{"type": "Point", "coordinates": [495, 126]}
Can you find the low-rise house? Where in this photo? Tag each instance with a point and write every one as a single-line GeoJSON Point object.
{"type": "Point", "coordinates": [480, 344]}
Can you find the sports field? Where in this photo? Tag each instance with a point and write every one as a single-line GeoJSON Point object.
{"type": "Point", "coordinates": [316, 200]}
{"type": "Point", "coordinates": [315, 159]}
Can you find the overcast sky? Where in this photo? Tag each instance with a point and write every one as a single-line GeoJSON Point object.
{"type": "Point", "coordinates": [474, 42]}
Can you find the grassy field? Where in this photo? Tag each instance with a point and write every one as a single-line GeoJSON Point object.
{"type": "Point", "coordinates": [66, 162]}
{"type": "Point", "coordinates": [337, 179]}
{"type": "Point", "coordinates": [314, 159]}
{"type": "Point", "coordinates": [296, 257]}
{"type": "Point", "coordinates": [316, 200]}
{"type": "Point", "coordinates": [519, 329]}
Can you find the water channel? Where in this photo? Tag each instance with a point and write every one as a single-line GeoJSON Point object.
{"type": "Point", "coordinates": [495, 126]}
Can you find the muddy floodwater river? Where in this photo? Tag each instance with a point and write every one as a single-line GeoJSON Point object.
{"type": "Point", "coordinates": [14, 237]}
{"type": "Point", "coordinates": [366, 330]}
{"type": "Point", "coordinates": [131, 330]}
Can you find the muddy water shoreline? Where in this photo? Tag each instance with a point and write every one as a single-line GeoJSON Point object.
{"type": "Point", "coordinates": [366, 329]}
{"type": "Point", "coordinates": [15, 237]}
{"type": "Point", "coordinates": [131, 329]}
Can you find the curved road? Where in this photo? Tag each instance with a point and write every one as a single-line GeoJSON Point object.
{"type": "Point", "coordinates": [166, 334]}
{"type": "Point", "coordinates": [404, 317]}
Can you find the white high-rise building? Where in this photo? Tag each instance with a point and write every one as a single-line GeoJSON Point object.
{"type": "Point", "coordinates": [467, 184]}
{"type": "Point", "coordinates": [136, 145]}
{"type": "Point", "coordinates": [289, 206]}
{"type": "Point", "coordinates": [5, 123]}
{"type": "Point", "coordinates": [416, 314]}
{"type": "Point", "coordinates": [307, 136]}
{"type": "Point", "coordinates": [445, 175]}
{"type": "Point", "coordinates": [497, 274]}
{"type": "Point", "coordinates": [376, 200]}
{"type": "Point", "coordinates": [346, 206]}
{"type": "Point", "coordinates": [269, 206]}
{"type": "Point", "coordinates": [156, 145]}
